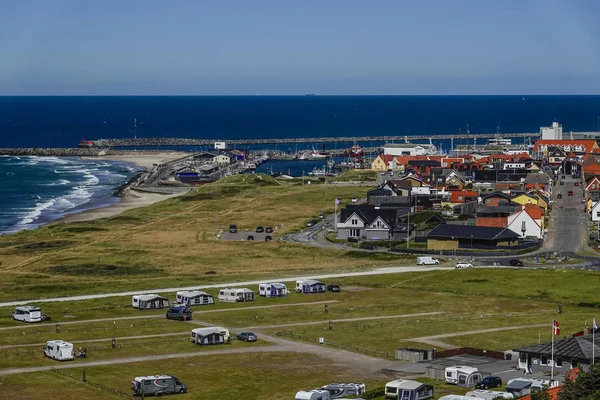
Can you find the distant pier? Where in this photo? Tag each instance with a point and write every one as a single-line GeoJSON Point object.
{"type": "Point", "coordinates": [139, 142]}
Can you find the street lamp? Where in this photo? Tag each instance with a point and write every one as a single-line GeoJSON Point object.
{"type": "Point", "coordinates": [471, 242]}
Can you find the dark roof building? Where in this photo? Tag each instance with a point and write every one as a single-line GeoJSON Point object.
{"type": "Point", "coordinates": [450, 237]}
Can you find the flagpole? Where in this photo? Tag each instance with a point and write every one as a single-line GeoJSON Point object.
{"type": "Point", "coordinates": [335, 215]}
{"type": "Point", "coordinates": [552, 368]}
{"type": "Point", "coordinates": [594, 341]}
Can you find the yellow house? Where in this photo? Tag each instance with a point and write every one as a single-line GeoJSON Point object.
{"type": "Point", "coordinates": [525, 199]}
{"type": "Point", "coordinates": [382, 162]}
{"type": "Point", "coordinates": [542, 200]}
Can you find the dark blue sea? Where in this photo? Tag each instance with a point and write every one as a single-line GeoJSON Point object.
{"type": "Point", "coordinates": [36, 190]}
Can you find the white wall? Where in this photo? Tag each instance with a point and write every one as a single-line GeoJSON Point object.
{"type": "Point", "coordinates": [515, 224]}
{"type": "Point", "coordinates": [595, 211]}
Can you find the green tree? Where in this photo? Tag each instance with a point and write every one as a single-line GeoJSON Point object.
{"type": "Point", "coordinates": [585, 387]}
{"type": "Point", "coordinates": [540, 394]}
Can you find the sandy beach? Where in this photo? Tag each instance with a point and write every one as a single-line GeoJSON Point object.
{"type": "Point", "coordinates": [131, 198]}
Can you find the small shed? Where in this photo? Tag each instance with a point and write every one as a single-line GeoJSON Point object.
{"type": "Point", "coordinates": [207, 336]}
{"type": "Point", "coordinates": [406, 389]}
{"type": "Point", "coordinates": [273, 289]}
{"type": "Point", "coordinates": [236, 295]}
{"type": "Point", "coordinates": [194, 298]}
{"type": "Point", "coordinates": [311, 286]}
{"type": "Point", "coordinates": [149, 301]}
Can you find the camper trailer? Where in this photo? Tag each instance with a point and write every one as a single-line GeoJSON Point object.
{"type": "Point", "coordinates": [149, 301]}
{"type": "Point", "coordinates": [459, 397]}
{"type": "Point", "coordinates": [273, 290]}
{"type": "Point", "coordinates": [158, 385]}
{"type": "Point", "coordinates": [489, 394]}
{"type": "Point", "coordinates": [463, 376]}
{"type": "Point", "coordinates": [408, 390]}
{"type": "Point", "coordinates": [194, 298]}
{"type": "Point", "coordinates": [313, 395]}
{"type": "Point", "coordinates": [343, 390]}
{"type": "Point", "coordinates": [523, 386]}
{"type": "Point", "coordinates": [59, 350]}
{"type": "Point", "coordinates": [311, 287]}
{"type": "Point", "coordinates": [27, 314]}
{"type": "Point", "coordinates": [207, 336]}
{"type": "Point", "coordinates": [236, 295]}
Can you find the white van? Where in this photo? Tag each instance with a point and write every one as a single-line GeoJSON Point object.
{"type": "Point", "coordinates": [427, 261]}
{"type": "Point", "coordinates": [59, 350]}
{"type": "Point", "coordinates": [27, 314]}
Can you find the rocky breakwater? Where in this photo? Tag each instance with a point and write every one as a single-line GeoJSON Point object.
{"type": "Point", "coordinates": [54, 152]}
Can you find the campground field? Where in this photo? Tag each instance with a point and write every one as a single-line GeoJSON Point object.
{"type": "Point", "coordinates": [176, 243]}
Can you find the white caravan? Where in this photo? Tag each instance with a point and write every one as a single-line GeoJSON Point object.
{"type": "Point", "coordinates": [313, 395]}
{"type": "Point", "coordinates": [27, 314]}
{"type": "Point", "coordinates": [299, 286]}
{"type": "Point", "coordinates": [59, 350]}
{"type": "Point", "coordinates": [194, 298]}
{"type": "Point", "coordinates": [273, 289]}
{"type": "Point", "coordinates": [462, 375]}
{"type": "Point", "coordinates": [236, 295]}
{"type": "Point", "coordinates": [459, 397]}
{"type": "Point", "coordinates": [489, 394]}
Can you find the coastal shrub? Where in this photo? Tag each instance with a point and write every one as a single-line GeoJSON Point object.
{"type": "Point", "coordinates": [102, 270]}
{"type": "Point", "coordinates": [82, 229]}
{"type": "Point", "coordinates": [50, 244]}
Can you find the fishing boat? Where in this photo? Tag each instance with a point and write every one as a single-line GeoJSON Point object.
{"type": "Point", "coordinates": [355, 151]}
{"type": "Point", "coordinates": [317, 172]}
{"type": "Point", "coordinates": [250, 166]}
{"type": "Point", "coordinates": [317, 155]}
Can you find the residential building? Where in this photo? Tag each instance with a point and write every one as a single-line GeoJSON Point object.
{"type": "Point", "coordinates": [554, 132]}
{"type": "Point", "coordinates": [527, 222]}
{"type": "Point", "coordinates": [366, 222]}
{"type": "Point", "coordinates": [452, 237]}
{"type": "Point", "coordinates": [409, 149]}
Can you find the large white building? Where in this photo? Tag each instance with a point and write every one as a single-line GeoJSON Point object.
{"type": "Point", "coordinates": [553, 132]}
{"type": "Point", "coordinates": [409, 149]}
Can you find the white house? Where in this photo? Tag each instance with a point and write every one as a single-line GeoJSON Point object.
{"type": "Point", "coordinates": [595, 211]}
{"type": "Point", "coordinates": [222, 159]}
{"type": "Point", "coordinates": [524, 225]}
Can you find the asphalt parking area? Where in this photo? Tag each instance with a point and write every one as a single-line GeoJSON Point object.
{"type": "Point", "coordinates": [243, 235]}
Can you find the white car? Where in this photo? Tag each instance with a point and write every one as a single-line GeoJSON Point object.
{"type": "Point", "coordinates": [354, 199]}
{"type": "Point", "coordinates": [463, 264]}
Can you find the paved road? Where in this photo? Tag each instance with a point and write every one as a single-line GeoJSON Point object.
{"type": "Point", "coordinates": [433, 340]}
{"type": "Point", "coordinates": [376, 271]}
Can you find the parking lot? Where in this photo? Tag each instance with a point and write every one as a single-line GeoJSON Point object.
{"type": "Point", "coordinates": [243, 235]}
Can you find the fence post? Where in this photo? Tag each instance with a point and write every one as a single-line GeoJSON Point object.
{"type": "Point", "coordinates": [84, 377]}
{"type": "Point", "coordinates": [326, 308]}
{"type": "Point", "coordinates": [57, 328]}
{"type": "Point", "coordinates": [330, 325]}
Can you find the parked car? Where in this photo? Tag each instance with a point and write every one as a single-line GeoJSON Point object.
{"type": "Point", "coordinates": [562, 177]}
{"type": "Point", "coordinates": [180, 313]}
{"type": "Point", "coordinates": [570, 193]}
{"type": "Point", "coordinates": [559, 196]}
{"type": "Point", "coordinates": [562, 182]}
{"type": "Point", "coordinates": [311, 223]}
{"type": "Point", "coordinates": [576, 183]}
{"type": "Point", "coordinates": [354, 199]}
{"type": "Point", "coordinates": [489, 382]}
{"type": "Point", "coordinates": [516, 263]}
{"type": "Point", "coordinates": [268, 238]}
{"type": "Point", "coordinates": [321, 215]}
{"type": "Point", "coordinates": [250, 237]}
{"type": "Point", "coordinates": [269, 229]}
{"type": "Point", "coordinates": [427, 261]}
{"type": "Point", "coordinates": [260, 229]}
{"type": "Point", "coordinates": [463, 264]}
{"type": "Point", "coordinates": [247, 337]}
{"type": "Point", "coordinates": [233, 228]}
{"type": "Point", "coordinates": [333, 287]}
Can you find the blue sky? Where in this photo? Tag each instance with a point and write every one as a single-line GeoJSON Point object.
{"type": "Point", "coordinates": [296, 47]}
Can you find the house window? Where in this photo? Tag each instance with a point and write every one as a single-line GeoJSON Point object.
{"type": "Point", "coordinates": [488, 201]}
{"type": "Point", "coordinates": [558, 362]}
{"type": "Point", "coordinates": [354, 233]}
{"type": "Point", "coordinates": [544, 360]}
{"type": "Point", "coordinates": [460, 197]}
{"type": "Point", "coordinates": [354, 222]}
{"type": "Point", "coordinates": [597, 213]}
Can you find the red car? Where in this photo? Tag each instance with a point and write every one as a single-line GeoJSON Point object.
{"type": "Point", "coordinates": [576, 183]}
{"type": "Point", "coordinates": [570, 193]}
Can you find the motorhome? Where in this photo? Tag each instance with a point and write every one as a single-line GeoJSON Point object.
{"type": "Point", "coordinates": [463, 376]}
{"type": "Point", "coordinates": [343, 390]}
{"type": "Point", "coordinates": [273, 289]}
{"type": "Point", "coordinates": [157, 385]}
{"type": "Point", "coordinates": [489, 394]}
{"type": "Point", "coordinates": [149, 301]}
{"type": "Point", "coordinates": [59, 350]}
{"type": "Point", "coordinates": [406, 389]}
{"type": "Point", "coordinates": [313, 395]}
{"type": "Point", "coordinates": [194, 298]}
{"type": "Point", "coordinates": [427, 261]}
{"type": "Point", "coordinates": [27, 314]}
{"type": "Point", "coordinates": [207, 336]}
{"type": "Point", "coordinates": [236, 295]}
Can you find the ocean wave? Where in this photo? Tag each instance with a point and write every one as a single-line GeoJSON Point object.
{"type": "Point", "coordinates": [35, 213]}
{"type": "Point", "coordinates": [61, 182]}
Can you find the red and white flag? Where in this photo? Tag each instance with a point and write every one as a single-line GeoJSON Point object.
{"type": "Point", "coordinates": [338, 201]}
{"type": "Point", "coordinates": [555, 327]}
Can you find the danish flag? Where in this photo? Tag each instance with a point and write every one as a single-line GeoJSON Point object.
{"type": "Point", "coordinates": [555, 327]}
